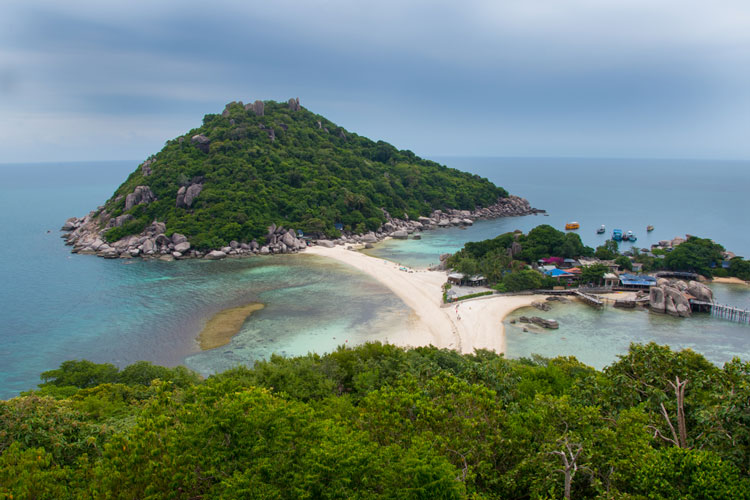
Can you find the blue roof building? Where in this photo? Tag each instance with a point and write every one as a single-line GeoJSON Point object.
{"type": "Point", "coordinates": [637, 280]}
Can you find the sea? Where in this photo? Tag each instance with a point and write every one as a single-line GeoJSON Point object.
{"type": "Point", "coordinates": [56, 306]}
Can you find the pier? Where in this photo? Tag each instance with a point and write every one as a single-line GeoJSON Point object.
{"type": "Point", "coordinates": [722, 311]}
{"type": "Point", "coordinates": [589, 299]}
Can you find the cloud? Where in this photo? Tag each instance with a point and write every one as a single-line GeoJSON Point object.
{"type": "Point", "coordinates": [579, 76]}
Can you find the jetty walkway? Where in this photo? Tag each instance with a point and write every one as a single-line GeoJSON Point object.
{"type": "Point", "coordinates": [723, 311]}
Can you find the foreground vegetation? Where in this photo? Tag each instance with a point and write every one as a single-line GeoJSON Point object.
{"type": "Point", "coordinates": [378, 421]}
{"type": "Point", "coordinates": [292, 168]}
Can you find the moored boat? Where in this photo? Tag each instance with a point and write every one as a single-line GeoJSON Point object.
{"type": "Point", "coordinates": [629, 236]}
{"type": "Point", "coordinates": [601, 230]}
{"type": "Point", "coordinates": [572, 225]}
{"type": "Point", "coordinates": [617, 234]}
{"type": "Point", "coordinates": [649, 228]}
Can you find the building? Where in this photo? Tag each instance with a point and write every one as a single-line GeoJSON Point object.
{"type": "Point", "coordinates": [637, 281]}
{"type": "Point", "coordinates": [611, 280]}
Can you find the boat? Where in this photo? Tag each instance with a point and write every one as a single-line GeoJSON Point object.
{"type": "Point", "coordinates": [572, 225]}
{"type": "Point", "coordinates": [601, 230]}
{"type": "Point", "coordinates": [629, 236]}
{"type": "Point", "coordinates": [617, 234]}
{"type": "Point", "coordinates": [649, 228]}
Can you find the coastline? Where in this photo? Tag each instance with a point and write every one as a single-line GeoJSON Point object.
{"type": "Point", "coordinates": [481, 320]}
{"type": "Point", "coordinates": [730, 281]}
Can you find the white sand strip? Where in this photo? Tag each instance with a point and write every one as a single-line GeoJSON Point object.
{"type": "Point", "coordinates": [481, 321]}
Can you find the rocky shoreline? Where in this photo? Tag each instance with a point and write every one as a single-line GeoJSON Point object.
{"type": "Point", "coordinates": [86, 234]}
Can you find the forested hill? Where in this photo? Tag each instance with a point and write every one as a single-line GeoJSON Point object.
{"type": "Point", "coordinates": [271, 162]}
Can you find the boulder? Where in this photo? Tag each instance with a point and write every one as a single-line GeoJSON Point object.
{"type": "Point", "coordinates": [444, 223]}
{"type": "Point", "coordinates": [215, 255]}
{"type": "Point", "coordinates": [700, 291]}
{"type": "Point", "coordinates": [162, 240]}
{"type": "Point", "coordinates": [148, 247]}
{"type": "Point", "coordinates": [467, 222]}
{"type": "Point", "coordinates": [542, 306]}
{"type": "Point", "coordinates": [264, 250]}
{"type": "Point", "coordinates": [289, 240]}
{"type": "Point", "coordinates": [69, 225]}
{"type": "Point", "coordinates": [657, 299]}
{"type": "Point", "coordinates": [186, 195]}
{"type": "Point", "coordinates": [146, 167]}
{"type": "Point", "coordinates": [157, 228]}
{"type": "Point", "coordinates": [141, 194]}
{"type": "Point", "coordinates": [369, 238]}
{"type": "Point", "coordinates": [326, 243]}
{"type": "Point", "coordinates": [176, 254]}
{"type": "Point", "coordinates": [201, 142]}
{"type": "Point", "coordinates": [178, 238]}
{"type": "Point", "coordinates": [676, 303]}
{"type": "Point", "coordinates": [400, 235]}
{"type": "Point", "coordinates": [234, 244]}
{"type": "Point", "coordinates": [120, 220]}
{"type": "Point", "coordinates": [182, 247]}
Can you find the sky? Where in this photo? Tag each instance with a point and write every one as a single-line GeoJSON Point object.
{"type": "Point", "coordinates": [92, 80]}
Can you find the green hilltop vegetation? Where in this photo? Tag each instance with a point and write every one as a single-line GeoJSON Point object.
{"type": "Point", "coordinates": [290, 167]}
{"type": "Point", "coordinates": [379, 421]}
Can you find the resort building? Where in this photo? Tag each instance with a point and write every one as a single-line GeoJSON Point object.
{"type": "Point", "coordinates": [637, 281]}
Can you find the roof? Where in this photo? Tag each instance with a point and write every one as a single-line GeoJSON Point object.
{"type": "Point", "coordinates": [555, 273]}
{"type": "Point", "coordinates": [610, 276]}
{"type": "Point", "coordinates": [456, 276]}
{"type": "Point", "coordinates": [574, 270]}
{"type": "Point", "coordinates": [570, 260]}
{"type": "Point", "coordinates": [547, 268]}
{"type": "Point", "coordinates": [477, 277]}
{"type": "Point", "coordinates": [636, 279]}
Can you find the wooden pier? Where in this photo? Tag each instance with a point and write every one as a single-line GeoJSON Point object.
{"type": "Point", "coordinates": [589, 299]}
{"type": "Point", "coordinates": [722, 311]}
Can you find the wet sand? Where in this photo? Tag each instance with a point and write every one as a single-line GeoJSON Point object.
{"type": "Point", "coordinates": [224, 325]}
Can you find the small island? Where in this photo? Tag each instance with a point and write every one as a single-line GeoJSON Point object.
{"type": "Point", "coordinates": [269, 177]}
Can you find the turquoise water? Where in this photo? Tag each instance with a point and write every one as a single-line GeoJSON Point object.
{"type": "Point", "coordinates": [597, 336]}
{"type": "Point", "coordinates": [703, 198]}
{"type": "Point", "coordinates": [58, 306]}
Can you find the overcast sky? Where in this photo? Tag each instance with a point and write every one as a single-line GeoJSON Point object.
{"type": "Point", "coordinates": [93, 80]}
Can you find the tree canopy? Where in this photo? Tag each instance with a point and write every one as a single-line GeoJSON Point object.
{"type": "Point", "coordinates": [378, 421]}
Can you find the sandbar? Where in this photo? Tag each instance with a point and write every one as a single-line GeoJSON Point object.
{"type": "Point", "coordinates": [224, 325]}
{"type": "Point", "coordinates": [463, 326]}
{"type": "Point", "coordinates": [730, 281]}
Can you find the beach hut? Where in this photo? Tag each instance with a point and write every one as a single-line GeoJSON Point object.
{"type": "Point", "coordinates": [611, 280]}
{"type": "Point", "coordinates": [476, 280]}
{"type": "Point", "coordinates": [455, 278]}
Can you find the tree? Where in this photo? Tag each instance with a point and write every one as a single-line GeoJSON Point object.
{"type": "Point", "coordinates": [624, 263]}
{"type": "Point", "coordinates": [593, 274]}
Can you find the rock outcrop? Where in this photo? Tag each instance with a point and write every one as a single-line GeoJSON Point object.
{"type": "Point", "coordinates": [201, 142]}
{"type": "Point", "coordinates": [142, 194]}
{"type": "Point", "coordinates": [294, 104]}
{"type": "Point", "coordinates": [550, 324]}
{"type": "Point", "coordinates": [700, 291]}
{"type": "Point", "coordinates": [186, 195]}
{"type": "Point", "coordinates": [671, 296]}
{"type": "Point", "coordinates": [257, 107]}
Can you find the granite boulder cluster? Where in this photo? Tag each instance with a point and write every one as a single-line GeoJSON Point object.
{"type": "Point", "coordinates": [673, 296]}
{"type": "Point", "coordinates": [404, 228]}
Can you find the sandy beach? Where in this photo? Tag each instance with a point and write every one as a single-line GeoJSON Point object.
{"type": "Point", "coordinates": [463, 326]}
{"type": "Point", "coordinates": [730, 281]}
